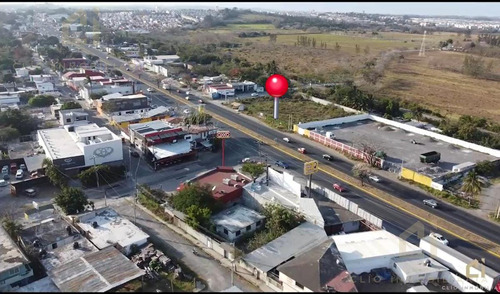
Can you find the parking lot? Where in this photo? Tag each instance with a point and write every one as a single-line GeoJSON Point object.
{"type": "Point", "coordinates": [398, 146]}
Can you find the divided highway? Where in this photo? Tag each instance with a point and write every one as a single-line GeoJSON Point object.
{"type": "Point", "coordinates": [395, 220]}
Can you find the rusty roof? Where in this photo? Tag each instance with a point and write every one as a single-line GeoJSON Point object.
{"type": "Point", "coordinates": [95, 272]}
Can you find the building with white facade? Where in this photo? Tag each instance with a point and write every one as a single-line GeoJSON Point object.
{"type": "Point", "coordinates": [105, 228]}
{"type": "Point", "coordinates": [77, 146]}
{"type": "Point", "coordinates": [73, 117]}
{"type": "Point", "coordinates": [237, 221]}
{"type": "Point", "coordinates": [24, 72]}
{"type": "Point", "coordinates": [108, 86]}
{"type": "Point", "coordinates": [160, 59]}
{"type": "Point", "coordinates": [14, 265]}
{"type": "Point", "coordinates": [44, 87]}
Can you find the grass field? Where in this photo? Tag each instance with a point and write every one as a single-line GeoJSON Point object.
{"type": "Point", "coordinates": [251, 26]}
{"type": "Point", "coordinates": [436, 82]}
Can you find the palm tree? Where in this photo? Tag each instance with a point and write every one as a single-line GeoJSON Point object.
{"type": "Point", "coordinates": [88, 81]}
{"type": "Point", "coordinates": [471, 185]}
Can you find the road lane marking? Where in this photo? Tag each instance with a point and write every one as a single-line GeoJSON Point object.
{"type": "Point", "coordinates": [304, 158]}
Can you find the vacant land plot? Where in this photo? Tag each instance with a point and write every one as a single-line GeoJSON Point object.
{"type": "Point", "coordinates": [251, 26]}
{"type": "Point", "coordinates": [436, 81]}
{"type": "Point", "coordinates": [396, 143]}
{"type": "Point", "coordinates": [296, 110]}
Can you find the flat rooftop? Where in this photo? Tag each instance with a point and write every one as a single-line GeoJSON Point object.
{"type": "Point", "coordinates": [415, 265]}
{"type": "Point", "coordinates": [43, 285]}
{"type": "Point", "coordinates": [396, 143]}
{"type": "Point", "coordinates": [293, 243]}
{"type": "Point", "coordinates": [95, 272]}
{"type": "Point", "coordinates": [10, 254]}
{"type": "Point", "coordinates": [236, 218]}
{"type": "Point", "coordinates": [66, 253]}
{"type": "Point", "coordinates": [166, 150]}
{"type": "Point", "coordinates": [332, 212]}
{"type": "Point", "coordinates": [274, 192]}
{"type": "Point", "coordinates": [48, 231]}
{"type": "Point", "coordinates": [111, 229]}
{"type": "Point", "coordinates": [59, 143]}
{"type": "Point", "coordinates": [361, 245]}
{"type": "Point", "coordinates": [150, 127]}
{"type": "Point", "coordinates": [214, 178]}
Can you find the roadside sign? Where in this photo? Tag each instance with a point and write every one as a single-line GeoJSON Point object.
{"type": "Point", "coordinates": [223, 134]}
{"type": "Point", "coordinates": [311, 167]}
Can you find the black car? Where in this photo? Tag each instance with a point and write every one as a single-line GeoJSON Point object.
{"type": "Point", "coordinates": [134, 154]}
{"type": "Point", "coordinates": [6, 176]}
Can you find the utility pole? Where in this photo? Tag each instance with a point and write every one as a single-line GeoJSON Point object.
{"type": "Point", "coordinates": [310, 181]}
{"type": "Point", "coordinates": [97, 179]}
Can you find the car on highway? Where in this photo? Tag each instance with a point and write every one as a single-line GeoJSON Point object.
{"type": "Point", "coordinates": [282, 164]}
{"type": "Point", "coordinates": [254, 95]}
{"type": "Point", "coordinates": [374, 178]}
{"type": "Point", "coordinates": [3, 183]}
{"type": "Point", "coordinates": [338, 187]}
{"type": "Point", "coordinates": [201, 101]}
{"type": "Point", "coordinates": [186, 111]}
{"type": "Point", "coordinates": [327, 157]}
{"type": "Point", "coordinates": [187, 97]}
{"type": "Point", "coordinates": [247, 159]}
{"type": "Point", "coordinates": [439, 238]}
{"type": "Point", "coordinates": [302, 150]}
{"type": "Point", "coordinates": [127, 69]}
{"type": "Point", "coordinates": [431, 202]}
{"type": "Point", "coordinates": [286, 140]}
{"type": "Point", "coordinates": [150, 89]}
{"type": "Point", "coordinates": [107, 57]}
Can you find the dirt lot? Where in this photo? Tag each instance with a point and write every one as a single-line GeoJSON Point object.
{"type": "Point", "coordinates": [436, 82]}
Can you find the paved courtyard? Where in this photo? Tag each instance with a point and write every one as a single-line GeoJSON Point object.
{"type": "Point", "coordinates": [398, 146]}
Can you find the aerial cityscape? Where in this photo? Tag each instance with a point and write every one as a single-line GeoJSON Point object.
{"type": "Point", "coordinates": [249, 147]}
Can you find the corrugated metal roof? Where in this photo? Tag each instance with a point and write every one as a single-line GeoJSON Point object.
{"type": "Point", "coordinates": [95, 272]}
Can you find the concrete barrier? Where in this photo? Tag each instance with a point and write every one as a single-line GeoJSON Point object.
{"type": "Point", "coordinates": [459, 283]}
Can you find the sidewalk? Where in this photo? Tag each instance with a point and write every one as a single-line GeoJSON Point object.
{"type": "Point", "coordinates": [243, 273]}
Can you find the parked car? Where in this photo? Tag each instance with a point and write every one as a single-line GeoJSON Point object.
{"type": "Point", "coordinates": [374, 178]}
{"type": "Point", "coordinates": [286, 140]}
{"type": "Point", "coordinates": [327, 157]}
{"type": "Point", "coordinates": [282, 164]}
{"type": "Point", "coordinates": [338, 187]}
{"type": "Point", "coordinates": [254, 95]}
{"type": "Point", "coordinates": [23, 166]}
{"type": "Point", "coordinates": [6, 177]}
{"type": "Point", "coordinates": [247, 159]}
{"type": "Point", "coordinates": [30, 192]}
{"type": "Point", "coordinates": [187, 97]}
{"type": "Point", "coordinates": [13, 167]}
{"type": "Point", "coordinates": [5, 169]}
{"type": "Point", "coordinates": [19, 174]}
{"type": "Point", "coordinates": [154, 106]}
{"type": "Point", "coordinates": [3, 183]}
{"type": "Point", "coordinates": [134, 154]}
{"type": "Point", "coordinates": [439, 238]}
{"type": "Point", "coordinates": [431, 202]}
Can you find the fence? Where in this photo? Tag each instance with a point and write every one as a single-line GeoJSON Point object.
{"type": "Point", "coordinates": [459, 283]}
{"type": "Point", "coordinates": [346, 203]}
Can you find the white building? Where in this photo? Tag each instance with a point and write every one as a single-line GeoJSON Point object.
{"type": "Point", "coordinates": [9, 98]}
{"type": "Point", "coordinates": [237, 221]}
{"type": "Point", "coordinates": [122, 86]}
{"type": "Point", "coordinates": [160, 59]}
{"type": "Point", "coordinates": [73, 117]}
{"type": "Point", "coordinates": [44, 87]}
{"type": "Point", "coordinates": [74, 146]}
{"type": "Point", "coordinates": [105, 227]}
{"type": "Point", "coordinates": [41, 78]}
{"type": "Point", "coordinates": [14, 265]}
{"type": "Point", "coordinates": [24, 71]}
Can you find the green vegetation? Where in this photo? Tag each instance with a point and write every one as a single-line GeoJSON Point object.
{"type": "Point", "coordinates": [309, 111]}
{"type": "Point", "coordinates": [279, 220]}
{"type": "Point", "coordinates": [56, 177]}
{"type": "Point", "coordinates": [71, 105]}
{"type": "Point", "coordinates": [361, 171]}
{"type": "Point", "coordinates": [467, 128]}
{"type": "Point", "coordinates": [71, 200]}
{"type": "Point", "coordinates": [471, 186]}
{"type": "Point", "coordinates": [11, 226]}
{"type": "Point", "coordinates": [42, 101]}
{"type": "Point", "coordinates": [107, 174]}
{"type": "Point", "coordinates": [487, 168]}
{"type": "Point", "coordinates": [253, 169]}
{"type": "Point", "coordinates": [8, 133]}
{"type": "Point", "coordinates": [95, 96]}
{"type": "Point", "coordinates": [152, 199]}
{"type": "Point", "coordinates": [197, 118]}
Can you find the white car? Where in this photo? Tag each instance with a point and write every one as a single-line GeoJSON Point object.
{"type": "Point", "coordinates": [150, 90]}
{"type": "Point", "coordinates": [3, 183]}
{"type": "Point", "coordinates": [187, 111]}
{"type": "Point", "coordinates": [374, 178]}
{"type": "Point", "coordinates": [439, 238]}
{"type": "Point", "coordinates": [107, 57]}
{"type": "Point", "coordinates": [286, 140]}
{"type": "Point", "coordinates": [19, 174]}
{"type": "Point", "coordinates": [254, 95]}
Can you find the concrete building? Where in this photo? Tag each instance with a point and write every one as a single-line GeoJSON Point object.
{"type": "Point", "coordinates": [8, 99]}
{"type": "Point", "coordinates": [77, 79]}
{"type": "Point", "coordinates": [118, 104]}
{"type": "Point", "coordinates": [44, 87]}
{"type": "Point", "coordinates": [107, 86]}
{"type": "Point", "coordinates": [220, 90]}
{"type": "Point", "coordinates": [105, 227]}
{"type": "Point", "coordinates": [242, 87]}
{"type": "Point", "coordinates": [42, 78]}
{"type": "Point", "coordinates": [14, 265]}
{"type": "Point", "coordinates": [124, 120]}
{"type": "Point", "coordinates": [74, 63]}
{"type": "Point", "coordinates": [77, 146]}
{"type": "Point", "coordinates": [227, 184]}
{"type": "Point", "coordinates": [320, 269]}
{"type": "Point", "coordinates": [160, 59]}
{"type": "Point", "coordinates": [236, 221]}
{"type": "Point", "coordinates": [73, 117]}
{"type": "Point", "coordinates": [24, 72]}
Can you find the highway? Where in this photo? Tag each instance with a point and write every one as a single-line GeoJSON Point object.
{"type": "Point", "coordinates": [395, 220]}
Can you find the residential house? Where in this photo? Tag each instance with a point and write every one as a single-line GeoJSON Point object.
{"type": "Point", "coordinates": [44, 87]}
{"type": "Point", "coordinates": [117, 104]}
{"type": "Point", "coordinates": [237, 221]}
{"type": "Point", "coordinates": [74, 63]}
{"type": "Point", "coordinates": [73, 117]}
{"type": "Point", "coordinates": [108, 86]}
{"type": "Point", "coordinates": [241, 87]}
{"type": "Point", "coordinates": [124, 120]}
{"type": "Point", "coordinates": [15, 270]}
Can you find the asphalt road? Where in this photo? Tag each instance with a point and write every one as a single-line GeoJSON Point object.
{"type": "Point", "coordinates": [395, 220]}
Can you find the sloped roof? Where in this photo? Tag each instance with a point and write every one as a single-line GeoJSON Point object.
{"type": "Point", "coordinates": [320, 267]}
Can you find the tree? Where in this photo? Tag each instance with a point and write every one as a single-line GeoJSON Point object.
{"type": "Point", "coordinates": [71, 105]}
{"type": "Point", "coordinates": [361, 170]}
{"type": "Point", "coordinates": [9, 78]}
{"type": "Point", "coordinates": [337, 47]}
{"type": "Point", "coordinates": [197, 216]}
{"type": "Point", "coordinates": [197, 118]}
{"type": "Point", "coordinates": [471, 185]}
{"type": "Point", "coordinates": [273, 38]}
{"type": "Point", "coordinates": [474, 67]}
{"type": "Point", "coordinates": [71, 200]}
{"type": "Point", "coordinates": [8, 134]}
{"type": "Point", "coordinates": [42, 101]}
{"type": "Point", "coordinates": [486, 168]}
{"type": "Point", "coordinates": [56, 177]}
{"type": "Point", "coordinates": [11, 226]}
{"type": "Point", "coordinates": [253, 169]}
{"type": "Point", "coordinates": [193, 194]}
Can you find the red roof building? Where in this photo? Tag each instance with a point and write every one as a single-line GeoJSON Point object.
{"type": "Point", "coordinates": [226, 183]}
{"type": "Point", "coordinates": [74, 62]}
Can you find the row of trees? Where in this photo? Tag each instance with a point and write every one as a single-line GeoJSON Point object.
{"type": "Point", "coordinates": [42, 101]}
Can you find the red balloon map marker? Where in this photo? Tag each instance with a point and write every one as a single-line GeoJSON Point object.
{"type": "Point", "coordinates": [276, 86]}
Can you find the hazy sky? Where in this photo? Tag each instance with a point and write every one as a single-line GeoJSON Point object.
{"type": "Point", "coordinates": [491, 9]}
